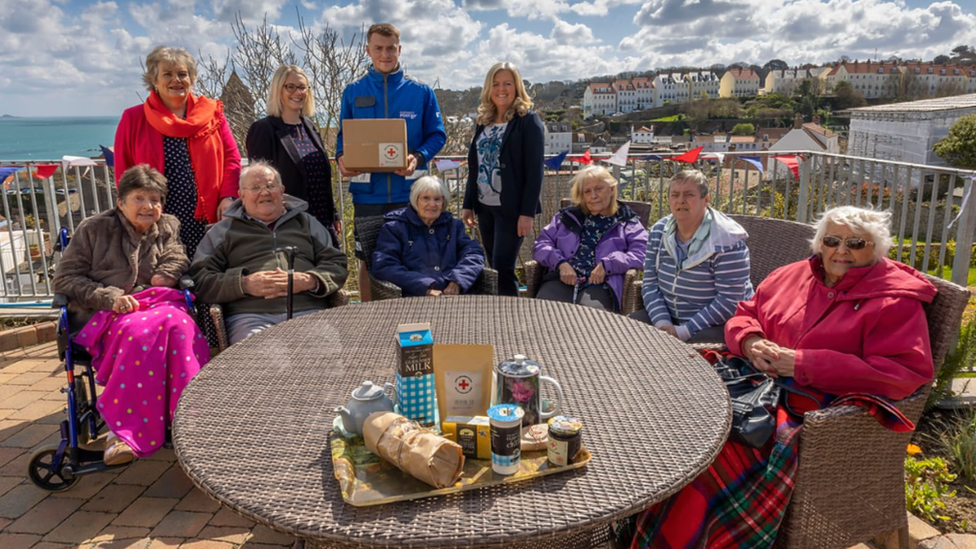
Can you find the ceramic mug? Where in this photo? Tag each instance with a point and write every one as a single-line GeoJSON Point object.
{"type": "Point", "coordinates": [517, 382]}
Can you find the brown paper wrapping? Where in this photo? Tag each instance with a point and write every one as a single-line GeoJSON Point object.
{"type": "Point", "coordinates": [412, 449]}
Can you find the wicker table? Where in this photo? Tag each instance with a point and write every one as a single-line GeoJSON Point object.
{"type": "Point", "coordinates": [252, 428]}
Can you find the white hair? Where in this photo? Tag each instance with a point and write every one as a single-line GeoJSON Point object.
{"type": "Point", "coordinates": [428, 183]}
{"type": "Point", "coordinates": [874, 224]}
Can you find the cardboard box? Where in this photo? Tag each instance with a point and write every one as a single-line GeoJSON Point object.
{"type": "Point", "coordinates": [374, 144]}
{"type": "Point", "coordinates": [472, 433]}
{"type": "Point", "coordinates": [415, 387]}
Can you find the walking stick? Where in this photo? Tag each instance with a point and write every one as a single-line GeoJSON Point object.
{"type": "Point", "coordinates": [290, 251]}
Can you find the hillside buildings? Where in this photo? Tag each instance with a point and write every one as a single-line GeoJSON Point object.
{"type": "Point", "coordinates": [873, 80]}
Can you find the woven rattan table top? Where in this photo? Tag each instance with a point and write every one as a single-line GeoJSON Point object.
{"type": "Point", "coordinates": [252, 428]}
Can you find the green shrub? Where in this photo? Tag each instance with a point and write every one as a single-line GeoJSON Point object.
{"type": "Point", "coordinates": [959, 441]}
{"type": "Point", "coordinates": [926, 485]}
{"type": "Point", "coordinates": [961, 358]}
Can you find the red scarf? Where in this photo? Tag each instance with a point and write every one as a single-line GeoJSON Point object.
{"type": "Point", "coordinates": [200, 129]}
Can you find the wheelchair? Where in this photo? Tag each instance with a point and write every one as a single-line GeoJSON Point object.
{"type": "Point", "coordinates": [58, 468]}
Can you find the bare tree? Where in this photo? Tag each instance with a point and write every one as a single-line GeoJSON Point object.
{"type": "Point", "coordinates": [258, 55]}
{"type": "Point", "coordinates": [331, 65]}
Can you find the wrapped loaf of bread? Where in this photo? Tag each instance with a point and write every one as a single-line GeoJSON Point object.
{"type": "Point", "coordinates": [414, 450]}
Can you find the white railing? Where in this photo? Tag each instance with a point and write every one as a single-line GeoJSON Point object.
{"type": "Point", "coordinates": [914, 194]}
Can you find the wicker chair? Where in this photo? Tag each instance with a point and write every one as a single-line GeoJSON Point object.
{"type": "Point", "coordinates": [850, 484]}
{"type": "Point", "coordinates": [630, 301]}
{"type": "Point", "coordinates": [368, 230]}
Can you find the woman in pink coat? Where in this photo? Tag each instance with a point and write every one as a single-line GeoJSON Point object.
{"type": "Point", "coordinates": [847, 320]}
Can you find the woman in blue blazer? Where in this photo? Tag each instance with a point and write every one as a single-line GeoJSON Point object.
{"type": "Point", "coordinates": [504, 171]}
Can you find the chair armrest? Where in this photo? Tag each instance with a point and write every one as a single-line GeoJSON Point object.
{"type": "Point", "coordinates": [337, 299]}
{"type": "Point", "coordinates": [381, 289]}
{"type": "Point", "coordinates": [632, 300]}
{"type": "Point", "coordinates": [486, 284]}
{"type": "Point", "coordinates": [186, 282]}
{"type": "Point", "coordinates": [217, 315]}
{"type": "Point", "coordinates": [533, 277]}
{"type": "Point", "coordinates": [60, 300]}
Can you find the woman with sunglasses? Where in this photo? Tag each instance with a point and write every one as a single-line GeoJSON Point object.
{"type": "Point", "coordinates": [289, 140]}
{"type": "Point", "coordinates": [847, 320]}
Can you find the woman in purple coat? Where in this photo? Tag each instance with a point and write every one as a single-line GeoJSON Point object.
{"type": "Point", "coordinates": [588, 247]}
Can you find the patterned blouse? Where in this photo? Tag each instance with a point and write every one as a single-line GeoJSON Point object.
{"type": "Point", "coordinates": [315, 163]}
{"type": "Point", "coordinates": [489, 178]}
{"type": "Point", "coordinates": [594, 227]}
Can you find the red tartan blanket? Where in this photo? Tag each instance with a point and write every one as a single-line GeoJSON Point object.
{"type": "Point", "coordinates": [739, 501]}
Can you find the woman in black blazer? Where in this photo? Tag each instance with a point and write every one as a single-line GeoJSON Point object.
{"type": "Point", "coordinates": [504, 171]}
{"type": "Point", "coordinates": [289, 141]}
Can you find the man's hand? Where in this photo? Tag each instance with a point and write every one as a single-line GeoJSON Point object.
{"type": "Point", "coordinates": [524, 225]}
{"type": "Point", "coordinates": [598, 275]}
{"type": "Point", "coordinates": [163, 281]}
{"type": "Point", "coordinates": [223, 205]}
{"type": "Point", "coordinates": [567, 274]}
{"type": "Point", "coordinates": [125, 304]}
{"type": "Point", "coordinates": [274, 284]}
{"type": "Point", "coordinates": [342, 168]}
{"type": "Point", "coordinates": [467, 216]}
{"type": "Point", "coordinates": [411, 166]}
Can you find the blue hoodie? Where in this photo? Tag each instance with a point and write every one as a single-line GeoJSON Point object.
{"type": "Point", "coordinates": [394, 95]}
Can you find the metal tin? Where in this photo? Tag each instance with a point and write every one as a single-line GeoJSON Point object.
{"type": "Point", "coordinates": [506, 438]}
{"type": "Point", "coordinates": [565, 440]}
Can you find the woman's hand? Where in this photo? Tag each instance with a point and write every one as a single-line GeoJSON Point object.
{"type": "Point", "coordinates": [567, 274]}
{"type": "Point", "coordinates": [768, 357]}
{"type": "Point", "coordinates": [223, 205]}
{"type": "Point", "coordinates": [125, 304]}
{"type": "Point", "coordinates": [598, 275]}
{"type": "Point", "coordinates": [467, 216]}
{"type": "Point", "coordinates": [452, 289]}
{"type": "Point", "coordinates": [164, 281]}
{"type": "Point", "coordinates": [524, 225]}
{"type": "Point", "coordinates": [670, 330]}
{"type": "Point", "coordinates": [434, 293]}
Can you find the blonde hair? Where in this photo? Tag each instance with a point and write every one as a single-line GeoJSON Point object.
{"type": "Point", "coordinates": [487, 112]}
{"type": "Point", "coordinates": [165, 54]}
{"type": "Point", "coordinates": [875, 224]}
{"type": "Point", "coordinates": [273, 107]}
{"type": "Point", "coordinates": [587, 174]}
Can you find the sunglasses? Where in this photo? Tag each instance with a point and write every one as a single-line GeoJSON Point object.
{"type": "Point", "coordinates": [852, 243]}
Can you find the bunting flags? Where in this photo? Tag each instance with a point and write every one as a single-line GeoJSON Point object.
{"type": "Point", "coordinates": [72, 161]}
{"type": "Point", "coordinates": [585, 159]}
{"type": "Point", "coordinates": [619, 158]}
{"type": "Point", "coordinates": [652, 157]}
{"type": "Point", "coordinates": [754, 160]}
{"type": "Point", "coordinates": [717, 156]}
{"type": "Point", "coordinates": [7, 173]}
{"type": "Point", "coordinates": [792, 162]}
{"type": "Point", "coordinates": [109, 154]}
{"type": "Point", "coordinates": [556, 162]}
{"type": "Point", "coordinates": [44, 171]}
{"type": "Point", "coordinates": [446, 164]}
{"type": "Point", "coordinates": [689, 157]}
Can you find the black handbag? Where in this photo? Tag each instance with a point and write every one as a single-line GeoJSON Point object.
{"type": "Point", "coordinates": [754, 399]}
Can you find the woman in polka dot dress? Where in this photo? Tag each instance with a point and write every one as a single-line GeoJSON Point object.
{"type": "Point", "coordinates": [184, 136]}
{"type": "Point", "coordinates": [288, 140]}
{"type": "Point", "coordinates": [120, 273]}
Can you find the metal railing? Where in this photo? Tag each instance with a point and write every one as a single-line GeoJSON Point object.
{"type": "Point", "coordinates": [921, 199]}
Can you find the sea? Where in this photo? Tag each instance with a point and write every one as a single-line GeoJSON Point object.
{"type": "Point", "coordinates": [51, 138]}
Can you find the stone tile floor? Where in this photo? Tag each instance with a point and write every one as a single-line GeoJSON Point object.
{"type": "Point", "coordinates": [150, 504]}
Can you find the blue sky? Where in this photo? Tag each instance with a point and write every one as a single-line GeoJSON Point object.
{"type": "Point", "coordinates": [82, 57]}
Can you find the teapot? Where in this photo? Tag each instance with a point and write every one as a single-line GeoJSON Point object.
{"type": "Point", "coordinates": [517, 381]}
{"type": "Point", "coordinates": [366, 399]}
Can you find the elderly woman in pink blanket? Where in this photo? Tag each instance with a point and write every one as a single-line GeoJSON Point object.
{"type": "Point", "coordinates": [120, 274]}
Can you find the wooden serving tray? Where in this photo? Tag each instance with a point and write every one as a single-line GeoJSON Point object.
{"type": "Point", "coordinates": [366, 479]}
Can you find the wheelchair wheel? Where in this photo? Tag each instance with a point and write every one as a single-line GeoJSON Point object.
{"type": "Point", "coordinates": [39, 471]}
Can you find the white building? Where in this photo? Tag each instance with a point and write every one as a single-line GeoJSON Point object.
{"type": "Point", "coordinates": [645, 93]}
{"type": "Point", "coordinates": [906, 132]}
{"type": "Point", "coordinates": [666, 89]}
{"type": "Point", "coordinates": [785, 82]}
{"type": "Point", "coordinates": [559, 137]}
{"type": "Point", "coordinates": [626, 96]}
{"type": "Point", "coordinates": [643, 135]}
{"type": "Point", "coordinates": [703, 82]}
{"type": "Point", "coordinates": [739, 83]}
{"type": "Point", "coordinates": [599, 99]}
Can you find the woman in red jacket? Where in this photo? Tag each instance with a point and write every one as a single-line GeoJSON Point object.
{"type": "Point", "coordinates": [184, 136]}
{"type": "Point", "coordinates": [847, 320]}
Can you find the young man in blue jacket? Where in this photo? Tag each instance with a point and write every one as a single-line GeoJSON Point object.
{"type": "Point", "coordinates": [386, 92]}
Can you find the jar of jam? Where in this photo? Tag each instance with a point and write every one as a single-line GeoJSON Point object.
{"type": "Point", "coordinates": [564, 440]}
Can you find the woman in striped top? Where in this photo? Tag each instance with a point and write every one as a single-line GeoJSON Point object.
{"type": "Point", "coordinates": [696, 269]}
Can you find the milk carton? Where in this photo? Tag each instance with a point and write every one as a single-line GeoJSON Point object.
{"type": "Point", "coordinates": [416, 393]}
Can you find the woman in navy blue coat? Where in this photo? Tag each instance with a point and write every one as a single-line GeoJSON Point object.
{"type": "Point", "coordinates": [423, 249]}
{"type": "Point", "coordinates": [504, 171]}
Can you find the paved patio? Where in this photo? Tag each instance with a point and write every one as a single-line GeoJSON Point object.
{"type": "Point", "coordinates": [148, 505]}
